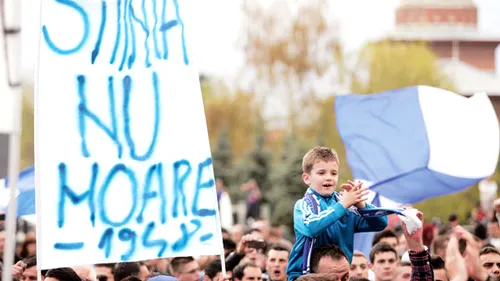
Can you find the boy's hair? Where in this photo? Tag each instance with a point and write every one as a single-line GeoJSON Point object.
{"type": "Point", "coordinates": [383, 234]}
{"type": "Point", "coordinates": [318, 153]}
{"type": "Point", "coordinates": [332, 251]}
{"type": "Point", "coordinates": [381, 247]}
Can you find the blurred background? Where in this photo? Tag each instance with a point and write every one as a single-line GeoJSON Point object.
{"type": "Point", "coordinates": [270, 71]}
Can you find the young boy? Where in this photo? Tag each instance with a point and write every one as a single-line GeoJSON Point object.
{"type": "Point", "coordinates": [323, 216]}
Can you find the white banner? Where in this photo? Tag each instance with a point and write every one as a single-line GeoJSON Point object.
{"type": "Point", "coordinates": [124, 168]}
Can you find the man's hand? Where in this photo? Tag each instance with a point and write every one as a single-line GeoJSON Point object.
{"type": "Point", "coordinates": [455, 263]}
{"type": "Point", "coordinates": [475, 269]}
{"type": "Point", "coordinates": [242, 248]}
{"type": "Point", "coordinates": [415, 241]}
{"type": "Point", "coordinates": [17, 270]}
{"type": "Point", "coordinates": [351, 186]}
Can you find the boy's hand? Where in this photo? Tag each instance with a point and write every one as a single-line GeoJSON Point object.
{"type": "Point", "coordinates": [354, 196]}
{"type": "Point", "coordinates": [350, 185]}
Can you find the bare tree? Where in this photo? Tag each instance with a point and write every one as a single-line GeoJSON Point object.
{"type": "Point", "coordinates": [289, 46]}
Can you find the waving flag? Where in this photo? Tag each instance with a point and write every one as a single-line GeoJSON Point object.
{"type": "Point", "coordinates": [25, 197]}
{"type": "Point", "coordinates": [418, 142]}
{"type": "Point", "coordinates": [415, 143]}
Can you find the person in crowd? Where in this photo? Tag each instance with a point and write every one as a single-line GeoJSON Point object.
{"type": "Point", "coordinates": [247, 272]}
{"type": "Point", "coordinates": [439, 269]}
{"type": "Point", "coordinates": [62, 274]}
{"type": "Point", "coordinates": [403, 272]}
{"type": "Point", "coordinates": [325, 215]}
{"type": "Point", "coordinates": [28, 247]}
{"type": "Point", "coordinates": [157, 266]}
{"type": "Point", "coordinates": [237, 231]}
{"type": "Point", "coordinates": [330, 259]}
{"type": "Point", "coordinates": [225, 233]}
{"type": "Point", "coordinates": [104, 271]}
{"type": "Point", "coordinates": [123, 270]}
{"type": "Point", "coordinates": [276, 262]}
{"type": "Point", "coordinates": [453, 220]}
{"type": "Point", "coordinates": [225, 206]}
{"type": "Point", "coordinates": [242, 249]}
{"type": "Point", "coordinates": [359, 265]}
{"type": "Point", "coordinates": [494, 232]}
{"type": "Point", "coordinates": [439, 245]}
{"type": "Point", "coordinates": [384, 261]}
{"type": "Point", "coordinates": [253, 200]}
{"type": "Point", "coordinates": [481, 232]}
{"type": "Point", "coordinates": [213, 271]}
{"type": "Point", "coordinates": [387, 236]}
{"type": "Point", "coordinates": [256, 256]}
{"type": "Point", "coordinates": [263, 226]}
{"type": "Point", "coordinates": [229, 246]}
{"type": "Point", "coordinates": [490, 259]}
{"type": "Point", "coordinates": [418, 254]}
{"type": "Point", "coordinates": [185, 269]}
{"type": "Point", "coordinates": [479, 213]}
{"type": "Point", "coordinates": [319, 277]}
{"type": "Point", "coordinates": [25, 270]}
{"type": "Point", "coordinates": [86, 272]}
{"type": "Point", "coordinates": [470, 259]}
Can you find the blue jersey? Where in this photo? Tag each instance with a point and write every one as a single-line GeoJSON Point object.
{"type": "Point", "coordinates": [333, 224]}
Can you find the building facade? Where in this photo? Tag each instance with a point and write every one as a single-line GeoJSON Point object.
{"type": "Point", "coordinates": [450, 28]}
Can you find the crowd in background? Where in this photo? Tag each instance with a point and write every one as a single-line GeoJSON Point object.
{"type": "Point", "coordinates": [257, 250]}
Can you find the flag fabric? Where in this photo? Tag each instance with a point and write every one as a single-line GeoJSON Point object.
{"type": "Point", "coordinates": [418, 142]}
{"type": "Point", "coordinates": [415, 143]}
{"type": "Point", "coordinates": [26, 193]}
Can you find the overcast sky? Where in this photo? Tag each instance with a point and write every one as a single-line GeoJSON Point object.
{"type": "Point", "coordinates": [215, 32]}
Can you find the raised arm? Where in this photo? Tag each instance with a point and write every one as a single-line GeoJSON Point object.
{"type": "Point", "coordinates": [310, 224]}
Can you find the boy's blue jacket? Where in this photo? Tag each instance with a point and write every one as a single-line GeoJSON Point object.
{"type": "Point", "coordinates": [332, 225]}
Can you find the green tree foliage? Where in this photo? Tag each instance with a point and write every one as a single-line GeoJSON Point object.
{"type": "Point", "coordinates": [235, 111]}
{"type": "Point", "coordinates": [260, 165]}
{"type": "Point", "coordinates": [288, 186]}
{"type": "Point", "coordinates": [392, 65]}
{"type": "Point", "coordinates": [222, 158]}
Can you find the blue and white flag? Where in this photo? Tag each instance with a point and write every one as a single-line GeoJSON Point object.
{"type": "Point", "coordinates": [418, 142]}
{"type": "Point", "coordinates": [26, 193]}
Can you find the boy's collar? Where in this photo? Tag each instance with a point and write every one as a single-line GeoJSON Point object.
{"type": "Point", "coordinates": [334, 195]}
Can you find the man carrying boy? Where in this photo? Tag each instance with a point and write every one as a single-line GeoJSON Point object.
{"type": "Point", "coordinates": [324, 217]}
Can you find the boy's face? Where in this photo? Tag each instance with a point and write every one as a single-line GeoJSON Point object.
{"type": "Point", "coordinates": [323, 177]}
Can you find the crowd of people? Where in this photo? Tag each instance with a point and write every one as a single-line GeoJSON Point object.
{"type": "Point", "coordinates": [324, 222]}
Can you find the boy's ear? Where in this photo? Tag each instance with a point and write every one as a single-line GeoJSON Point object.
{"type": "Point", "coordinates": [370, 265]}
{"type": "Point", "coordinates": [305, 178]}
